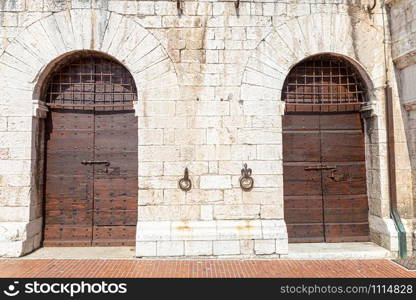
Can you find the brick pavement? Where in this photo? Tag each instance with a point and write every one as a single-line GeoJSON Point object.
{"type": "Point", "coordinates": [41, 268]}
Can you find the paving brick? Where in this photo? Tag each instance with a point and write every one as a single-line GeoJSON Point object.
{"type": "Point", "coordinates": [43, 268]}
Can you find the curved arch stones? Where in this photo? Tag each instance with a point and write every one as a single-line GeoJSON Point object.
{"type": "Point", "coordinates": [25, 64]}
{"type": "Point", "coordinates": [297, 39]}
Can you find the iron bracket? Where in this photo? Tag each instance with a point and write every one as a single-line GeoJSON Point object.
{"type": "Point", "coordinates": [179, 7]}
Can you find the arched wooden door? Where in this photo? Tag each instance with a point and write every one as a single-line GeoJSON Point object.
{"type": "Point", "coordinates": [91, 154]}
{"type": "Point", "coordinates": [325, 194]}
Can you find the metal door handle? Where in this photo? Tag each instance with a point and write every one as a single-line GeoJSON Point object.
{"type": "Point", "coordinates": [95, 162]}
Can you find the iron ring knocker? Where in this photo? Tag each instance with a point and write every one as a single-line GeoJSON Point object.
{"type": "Point", "coordinates": [246, 181]}
{"type": "Point", "coordinates": [185, 184]}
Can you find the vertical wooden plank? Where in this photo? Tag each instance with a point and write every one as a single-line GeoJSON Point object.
{"type": "Point", "coordinates": [69, 183]}
{"type": "Point", "coordinates": [344, 188]}
{"type": "Point", "coordinates": [302, 184]}
{"type": "Point", "coordinates": [115, 185]}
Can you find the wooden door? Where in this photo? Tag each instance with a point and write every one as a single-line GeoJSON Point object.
{"type": "Point", "coordinates": [302, 180]}
{"type": "Point", "coordinates": [115, 184]}
{"type": "Point", "coordinates": [69, 185]}
{"type": "Point", "coordinates": [325, 197]}
{"type": "Point", "coordinates": [344, 188]}
{"type": "Point", "coordinates": [91, 155]}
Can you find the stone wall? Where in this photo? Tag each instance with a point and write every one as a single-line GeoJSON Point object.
{"type": "Point", "coordinates": [403, 31]}
{"type": "Point", "coordinates": [209, 81]}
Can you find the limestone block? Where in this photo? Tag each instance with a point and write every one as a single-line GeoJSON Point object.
{"type": "Point", "coordinates": [20, 231]}
{"type": "Point", "coordinates": [247, 247]}
{"type": "Point", "coordinates": [385, 229]}
{"type": "Point", "coordinates": [170, 248]}
{"type": "Point", "coordinates": [243, 152]}
{"type": "Point", "coordinates": [212, 108]}
{"type": "Point", "coordinates": [150, 136]}
{"type": "Point", "coordinates": [146, 249]}
{"type": "Point", "coordinates": [15, 139]}
{"type": "Point", "coordinates": [258, 167]}
{"type": "Point", "coordinates": [268, 181]}
{"type": "Point", "coordinates": [147, 197]}
{"type": "Point", "coordinates": [207, 212]}
{"type": "Point", "coordinates": [194, 248]}
{"type": "Point", "coordinates": [269, 152]}
{"type": "Point", "coordinates": [16, 196]}
{"type": "Point", "coordinates": [167, 8]}
{"type": "Point", "coordinates": [162, 122]}
{"type": "Point", "coordinates": [151, 169]}
{"type": "Point", "coordinates": [235, 212]}
{"type": "Point", "coordinates": [187, 153]}
{"type": "Point", "coordinates": [274, 229]}
{"type": "Point", "coordinates": [193, 56]}
{"type": "Point", "coordinates": [146, 8]}
{"type": "Point", "coordinates": [174, 197]}
{"type": "Point", "coordinates": [282, 246]}
{"type": "Point", "coordinates": [226, 247]}
{"type": "Point", "coordinates": [259, 136]}
{"type": "Point", "coordinates": [215, 182]}
{"type": "Point", "coordinates": [265, 246]}
{"type": "Point", "coordinates": [195, 196]}
{"type": "Point", "coordinates": [153, 231]}
{"type": "Point", "coordinates": [20, 153]}
{"type": "Point", "coordinates": [34, 5]}
{"type": "Point", "coordinates": [177, 168]}
{"type": "Point", "coordinates": [169, 136]}
{"type": "Point", "coordinates": [233, 196]}
{"type": "Point", "coordinates": [221, 136]}
{"type": "Point", "coordinates": [213, 152]}
{"type": "Point", "coordinates": [158, 182]}
{"type": "Point", "coordinates": [213, 167]}
{"type": "Point", "coordinates": [164, 153]}
{"type": "Point", "coordinates": [239, 229]}
{"type": "Point", "coordinates": [18, 123]}
{"type": "Point", "coordinates": [190, 136]}
{"type": "Point", "coordinates": [11, 248]}
{"type": "Point", "coordinates": [211, 56]}
{"type": "Point", "coordinates": [265, 196]}
{"type": "Point", "coordinates": [194, 230]}
{"type": "Point", "coordinates": [3, 124]}
{"type": "Point", "coordinates": [14, 214]}
{"type": "Point", "coordinates": [271, 212]}
{"type": "Point", "coordinates": [158, 213]}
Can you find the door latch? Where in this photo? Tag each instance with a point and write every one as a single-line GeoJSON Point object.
{"type": "Point", "coordinates": [97, 162]}
{"type": "Point", "coordinates": [318, 167]}
{"type": "Point", "coordinates": [337, 177]}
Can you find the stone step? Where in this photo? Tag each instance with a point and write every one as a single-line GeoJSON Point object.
{"type": "Point", "coordinates": [359, 250]}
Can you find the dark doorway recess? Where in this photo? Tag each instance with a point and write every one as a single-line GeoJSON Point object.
{"type": "Point", "coordinates": [325, 190]}
{"type": "Point", "coordinates": [91, 154]}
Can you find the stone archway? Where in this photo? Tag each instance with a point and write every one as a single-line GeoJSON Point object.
{"type": "Point", "coordinates": [26, 63]}
{"type": "Point", "coordinates": [297, 39]}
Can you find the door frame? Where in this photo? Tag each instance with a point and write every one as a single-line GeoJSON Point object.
{"type": "Point", "coordinates": [41, 114]}
{"type": "Point", "coordinates": [333, 115]}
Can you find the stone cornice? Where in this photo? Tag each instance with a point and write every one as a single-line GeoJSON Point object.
{"type": "Point", "coordinates": [389, 2]}
{"type": "Point", "coordinates": [406, 59]}
{"type": "Point", "coordinates": [40, 110]}
{"type": "Point", "coordinates": [410, 105]}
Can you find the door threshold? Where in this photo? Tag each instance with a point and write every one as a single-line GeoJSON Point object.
{"type": "Point", "coordinates": [337, 251]}
{"type": "Point", "coordinates": [82, 253]}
